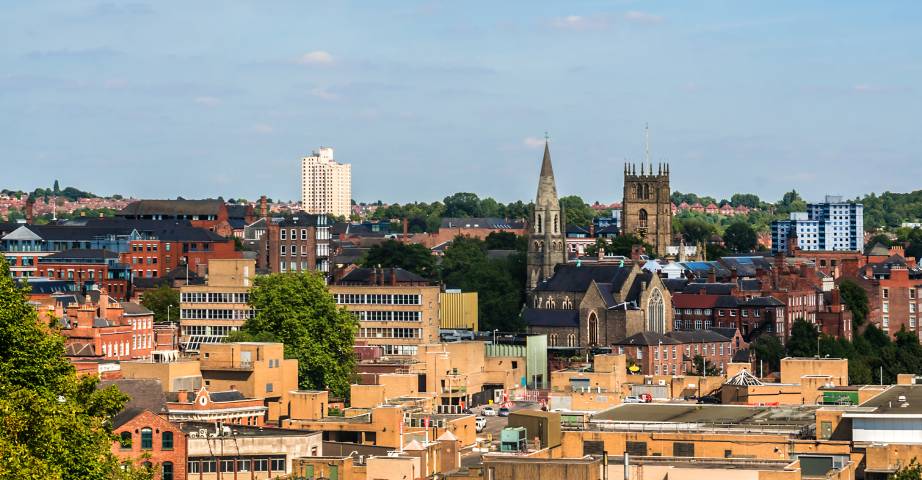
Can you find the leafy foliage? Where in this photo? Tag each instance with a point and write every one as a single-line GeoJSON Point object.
{"type": "Point", "coordinates": [499, 282]}
{"type": "Point", "coordinates": [740, 237]}
{"type": "Point", "coordinates": [298, 310]}
{"type": "Point", "coordinates": [710, 368]}
{"type": "Point", "coordinates": [856, 299]}
{"type": "Point", "coordinates": [803, 341]}
{"type": "Point", "coordinates": [694, 229]}
{"type": "Point", "coordinates": [769, 350]}
{"type": "Point", "coordinates": [54, 422]}
{"type": "Point", "coordinates": [408, 256]}
{"type": "Point", "coordinates": [576, 211]}
{"type": "Point", "coordinates": [159, 300]}
{"type": "Point", "coordinates": [913, 471]}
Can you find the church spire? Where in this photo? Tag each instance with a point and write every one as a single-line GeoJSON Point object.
{"type": "Point", "coordinates": [546, 169]}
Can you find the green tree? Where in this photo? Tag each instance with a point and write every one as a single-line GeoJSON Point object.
{"type": "Point", "coordinates": [740, 237]}
{"type": "Point", "coordinates": [164, 302]}
{"type": "Point", "coordinates": [710, 368]}
{"type": "Point", "coordinates": [623, 244]}
{"type": "Point", "coordinates": [463, 204]}
{"type": "Point", "coordinates": [803, 340]}
{"type": "Point", "coordinates": [746, 199]}
{"type": "Point", "coordinates": [499, 283]}
{"type": "Point", "coordinates": [298, 310]}
{"type": "Point", "coordinates": [913, 471]}
{"type": "Point", "coordinates": [791, 202]}
{"type": "Point", "coordinates": [694, 229]}
{"type": "Point", "coordinates": [576, 211]}
{"type": "Point", "coordinates": [408, 256]}
{"type": "Point", "coordinates": [769, 350]}
{"type": "Point", "coordinates": [855, 299]}
{"type": "Point", "coordinates": [55, 424]}
{"type": "Point", "coordinates": [505, 241]}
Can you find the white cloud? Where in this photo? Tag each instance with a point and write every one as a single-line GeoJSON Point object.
{"type": "Point", "coordinates": [263, 129]}
{"type": "Point", "coordinates": [317, 57]}
{"type": "Point", "coordinates": [324, 94]}
{"type": "Point", "coordinates": [207, 101]}
{"type": "Point", "coordinates": [642, 17]}
{"type": "Point", "coordinates": [581, 22]}
{"type": "Point", "coordinates": [533, 142]}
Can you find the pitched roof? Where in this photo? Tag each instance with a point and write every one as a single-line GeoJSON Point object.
{"type": "Point", "coordinates": [546, 169]}
{"type": "Point", "coordinates": [132, 308]}
{"type": "Point", "coordinates": [81, 253]}
{"type": "Point", "coordinates": [709, 288]}
{"type": "Point", "coordinates": [877, 250]}
{"type": "Point", "coordinates": [697, 336]}
{"type": "Point", "coordinates": [647, 338]}
{"type": "Point", "coordinates": [481, 222]}
{"type": "Point", "coordinates": [726, 332]}
{"type": "Point", "coordinates": [761, 302]}
{"type": "Point", "coordinates": [573, 278]}
{"type": "Point", "coordinates": [143, 393]}
{"type": "Point", "coordinates": [172, 207]}
{"type": "Point", "coordinates": [685, 300]}
{"type": "Point", "coordinates": [541, 317]}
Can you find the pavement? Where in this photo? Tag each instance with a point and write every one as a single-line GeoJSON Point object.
{"type": "Point", "coordinates": [494, 426]}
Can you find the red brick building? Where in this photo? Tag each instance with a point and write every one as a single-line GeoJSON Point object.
{"type": "Point", "coordinates": [89, 267]}
{"type": "Point", "coordinates": [209, 214]}
{"type": "Point", "coordinates": [175, 248]}
{"type": "Point", "coordinates": [104, 329]}
{"type": "Point", "coordinates": [297, 244]}
{"type": "Point", "coordinates": [230, 407]}
{"type": "Point", "coordinates": [894, 288]}
{"type": "Point", "coordinates": [673, 353]}
{"type": "Point", "coordinates": [144, 438]}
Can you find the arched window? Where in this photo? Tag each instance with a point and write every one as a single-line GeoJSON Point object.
{"type": "Point", "coordinates": [552, 340]}
{"type": "Point", "coordinates": [539, 223]}
{"type": "Point", "coordinates": [571, 340]}
{"type": "Point", "coordinates": [124, 440]}
{"type": "Point", "coordinates": [166, 441]}
{"type": "Point", "coordinates": [642, 217]}
{"type": "Point", "coordinates": [166, 471]}
{"type": "Point", "coordinates": [656, 312]}
{"type": "Point", "coordinates": [147, 438]}
{"type": "Point", "coordinates": [593, 329]}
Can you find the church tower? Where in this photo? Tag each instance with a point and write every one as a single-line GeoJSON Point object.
{"type": "Point", "coordinates": [647, 208]}
{"type": "Point", "coordinates": [546, 243]}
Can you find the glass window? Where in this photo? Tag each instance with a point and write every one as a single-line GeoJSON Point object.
{"type": "Point", "coordinates": [166, 441]}
{"type": "Point", "coordinates": [124, 440]}
{"type": "Point", "coordinates": [278, 464]}
{"type": "Point", "coordinates": [147, 438]}
{"type": "Point", "coordinates": [166, 471]}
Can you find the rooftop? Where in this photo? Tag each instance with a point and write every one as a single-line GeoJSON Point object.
{"type": "Point", "coordinates": [901, 400]}
{"type": "Point", "coordinates": [710, 417]}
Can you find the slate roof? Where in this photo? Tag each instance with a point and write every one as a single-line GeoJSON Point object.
{"type": "Point", "coordinates": [482, 222]}
{"type": "Point", "coordinates": [729, 333]}
{"type": "Point", "coordinates": [761, 302]}
{"type": "Point", "coordinates": [172, 207]}
{"type": "Point", "coordinates": [132, 308]}
{"type": "Point", "coordinates": [877, 250]}
{"type": "Point", "coordinates": [709, 288]}
{"type": "Point", "coordinates": [237, 210]}
{"type": "Point", "coordinates": [746, 266]}
{"type": "Point", "coordinates": [363, 275]}
{"type": "Point", "coordinates": [143, 393]}
{"type": "Point", "coordinates": [675, 285]}
{"type": "Point", "coordinates": [609, 230]}
{"type": "Point", "coordinates": [647, 338]}
{"type": "Point", "coordinates": [697, 336]}
{"type": "Point", "coordinates": [43, 286]}
{"type": "Point", "coordinates": [540, 317]}
{"type": "Point", "coordinates": [572, 278]}
{"type": "Point", "coordinates": [79, 254]}
{"type": "Point", "coordinates": [226, 396]}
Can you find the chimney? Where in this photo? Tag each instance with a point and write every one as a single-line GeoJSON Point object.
{"type": "Point", "coordinates": [792, 246]}
{"type": "Point", "coordinates": [836, 300]}
{"type": "Point", "coordinates": [712, 275]}
{"type": "Point", "coordinates": [406, 229]}
{"type": "Point", "coordinates": [734, 275]}
{"type": "Point", "coordinates": [592, 230]}
{"type": "Point", "coordinates": [373, 279]}
{"type": "Point", "coordinates": [30, 210]}
{"type": "Point", "coordinates": [103, 303]}
{"type": "Point", "coordinates": [263, 207]}
{"type": "Point", "coordinates": [182, 396]}
{"type": "Point", "coordinates": [393, 276]}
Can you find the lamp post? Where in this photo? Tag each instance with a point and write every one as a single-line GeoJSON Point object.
{"type": "Point", "coordinates": [168, 307]}
{"type": "Point", "coordinates": [494, 335]}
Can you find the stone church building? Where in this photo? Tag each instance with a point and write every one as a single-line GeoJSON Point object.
{"type": "Point", "coordinates": [597, 305]}
{"type": "Point", "coordinates": [646, 210]}
{"type": "Point", "coordinates": [546, 238]}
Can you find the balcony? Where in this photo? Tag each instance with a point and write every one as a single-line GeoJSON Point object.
{"type": "Point", "coordinates": [227, 365]}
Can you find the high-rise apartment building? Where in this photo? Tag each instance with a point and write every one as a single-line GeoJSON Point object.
{"type": "Point", "coordinates": [833, 225]}
{"type": "Point", "coordinates": [326, 185]}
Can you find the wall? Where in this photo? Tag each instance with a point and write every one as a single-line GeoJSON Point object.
{"type": "Point", "coordinates": [173, 376]}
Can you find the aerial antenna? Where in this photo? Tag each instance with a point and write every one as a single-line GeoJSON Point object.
{"type": "Point", "coordinates": [547, 138]}
{"type": "Point", "coordinates": [647, 135]}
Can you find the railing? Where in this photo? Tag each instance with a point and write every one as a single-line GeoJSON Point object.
{"type": "Point", "coordinates": [641, 427]}
{"type": "Point", "coordinates": [226, 365]}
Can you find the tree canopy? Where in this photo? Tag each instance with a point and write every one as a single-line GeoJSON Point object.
{"type": "Point", "coordinates": [55, 424]}
{"type": "Point", "coordinates": [740, 237]}
{"type": "Point", "coordinates": [576, 211]}
{"type": "Point", "coordinates": [408, 256]}
{"type": "Point", "coordinates": [164, 302]}
{"type": "Point", "coordinates": [298, 310]}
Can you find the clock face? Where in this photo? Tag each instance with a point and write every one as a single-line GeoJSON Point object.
{"type": "Point", "coordinates": [203, 400]}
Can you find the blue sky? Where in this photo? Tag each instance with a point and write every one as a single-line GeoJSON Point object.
{"type": "Point", "coordinates": [429, 98]}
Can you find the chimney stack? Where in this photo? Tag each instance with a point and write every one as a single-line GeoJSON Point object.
{"type": "Point", "coordinates": [393, 276]}
{"type": "Point", "coordinates": [406, 229]}
{"type": "Point", "coordinates": [373, 279]}
{"type": "Point", "coordinates": [263, 207]}
{"type": "Point", "coordinates": [30, 210]}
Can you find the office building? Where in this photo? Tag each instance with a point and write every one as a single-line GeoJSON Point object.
{"type": "Point", "coordinates": [207, 313]}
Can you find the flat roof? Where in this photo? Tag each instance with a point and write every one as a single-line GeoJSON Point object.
{"type": "Point", "coordinates": [246, 431]}
{"type": "Point", "coordinates": [898, 400]}
{"type": "Point", "coordinates": [711, 414]}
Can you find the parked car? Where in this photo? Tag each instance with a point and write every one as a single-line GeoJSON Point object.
{"type": "Point", "coordinates": [480, 423]}
{"type": "Point", "coordinates": [709, 399]}
{"type": "Point", "coordinates": [488, 412]}
{"type": "Point", "coordinates": [632, 399]}
{"type": "Point", "coordinates": [503, 412]}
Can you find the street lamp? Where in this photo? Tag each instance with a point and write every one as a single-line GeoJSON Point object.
{"type": "Point", "coordinates": [494, 335]}
{"type": "Point", "coordinates": [168, 307]}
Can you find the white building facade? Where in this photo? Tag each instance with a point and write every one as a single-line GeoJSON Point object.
{"type": "Point", "coordinates": [326, 185]}
{"type": "Point", "coordinates": [833, 225]}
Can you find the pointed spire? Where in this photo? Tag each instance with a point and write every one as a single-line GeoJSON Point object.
{"type": "Point", "coordinates": [546, 169]}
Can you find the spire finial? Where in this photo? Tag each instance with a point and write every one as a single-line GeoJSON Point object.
{"type": "Point", "coordinates": [546, 137]}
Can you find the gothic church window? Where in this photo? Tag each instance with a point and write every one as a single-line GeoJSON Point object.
{"type": "Point", "coordinates": [656, 312]}
{"type": "Point", "coordinates": [593, 325]}
{"type": "Point", "coordinates": [642, 218]}
{"type": "Point", "coordinates": [539, 223]}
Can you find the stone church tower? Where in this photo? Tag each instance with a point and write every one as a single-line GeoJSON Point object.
{"type": "Point", "coordinates": [546, 243]}
{"type": "Point", "coordinates": [647, 208]}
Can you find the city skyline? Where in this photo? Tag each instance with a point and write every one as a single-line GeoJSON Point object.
{"type": "Point", "coordinates": [455, 103]}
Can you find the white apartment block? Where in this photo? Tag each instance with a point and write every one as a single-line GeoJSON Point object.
{"type": "Point", "coordinates": [326, 185]}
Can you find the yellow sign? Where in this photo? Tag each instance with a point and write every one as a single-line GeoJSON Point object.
{"type": "Point", "coordinates": [634, 368]}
